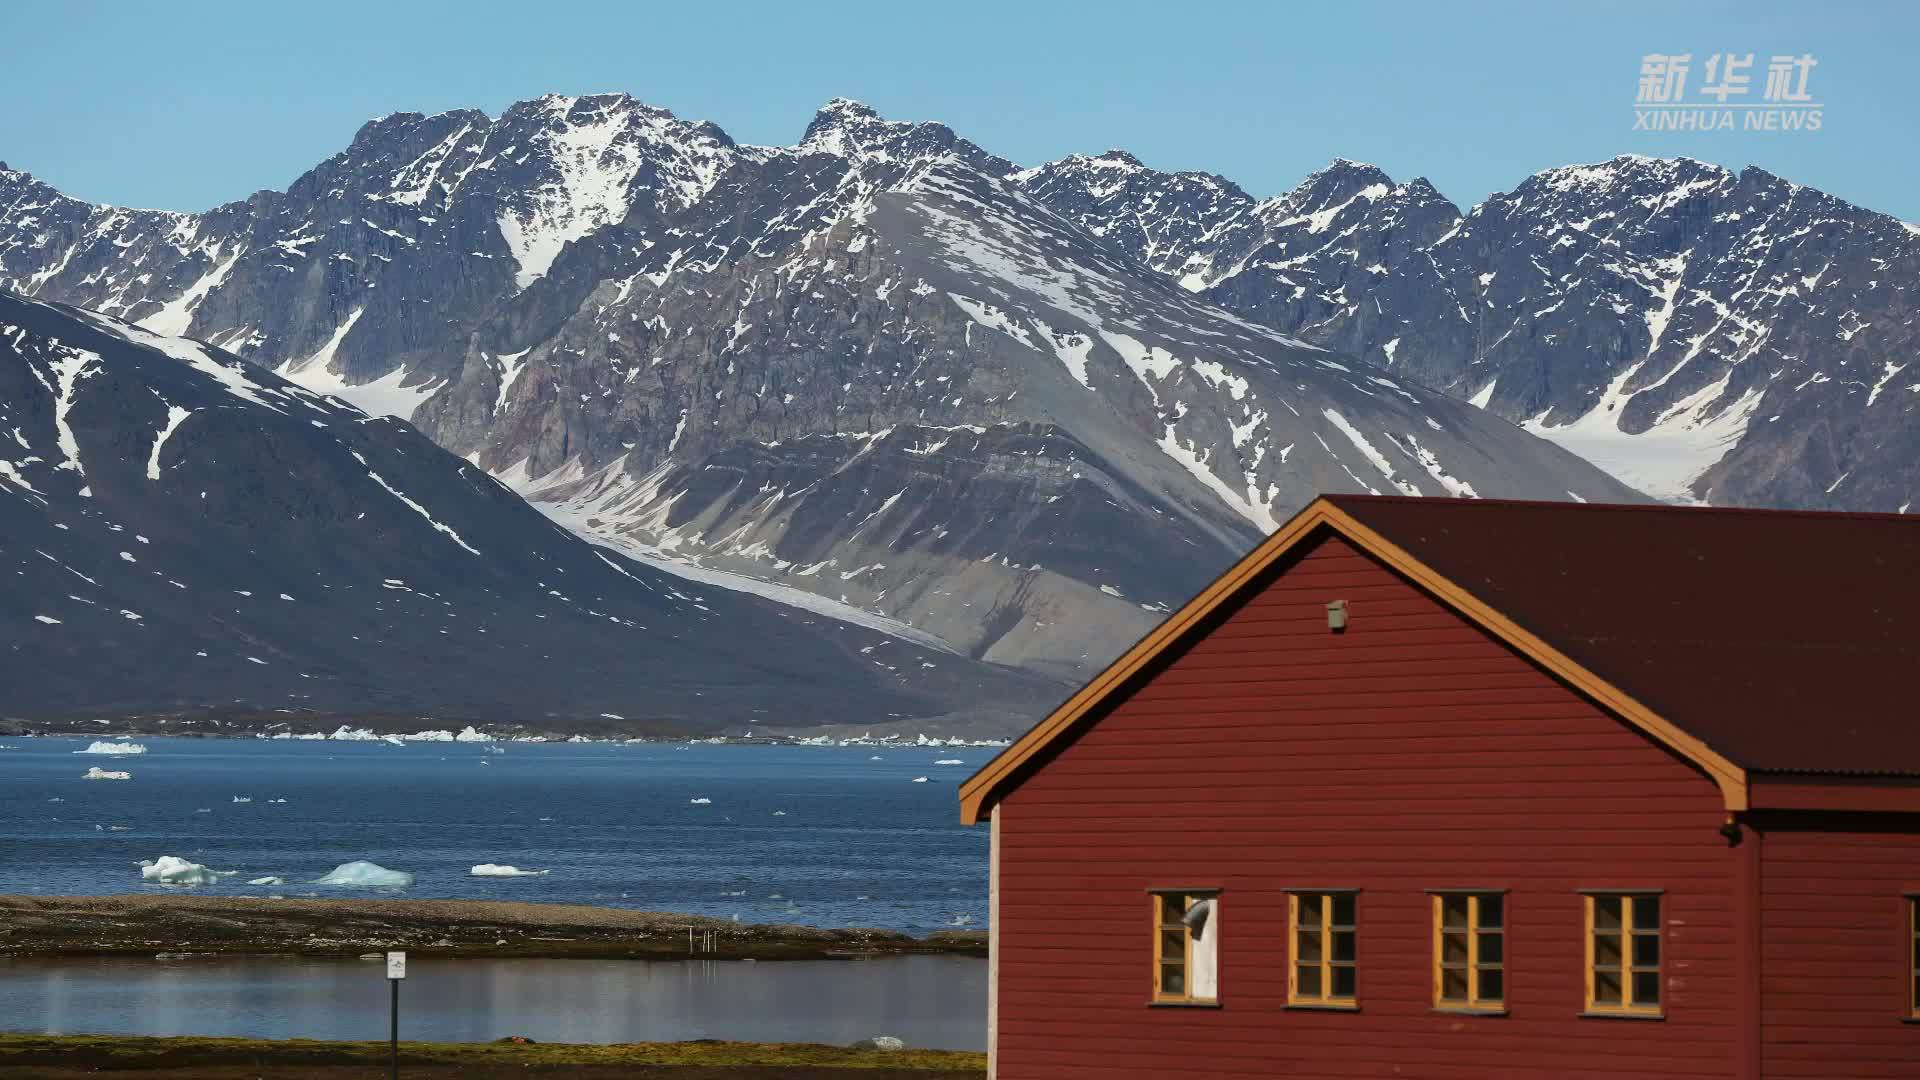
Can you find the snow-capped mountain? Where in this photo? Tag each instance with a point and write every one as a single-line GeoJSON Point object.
{"type": "Point", "coordinates": [183, 532]}
{"type": "Point", "coordinates": [1702, 334]}
{"type": "Point", "coordinates": [881, 368]}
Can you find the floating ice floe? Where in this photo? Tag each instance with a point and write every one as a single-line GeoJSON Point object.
{"type": "Point", "coordinates": [98, 773]}
{"type": "Point", "coordinates": [366, 874]}
{"type": "Point", "coordinates": [779, 813]}
{"type": "Point", "coordinates": [950, 761]}
{"type": "Point", "coordinates": [243, 798]}
{"type": "Point", "coordinates": [269, 880]}
{"type": "Point", "coordinates": [173, 870]}
{"type": "Point", "coordinates": [113, 748]}
{"type": "Point", "coordinates": [919, 779]}
{"type": "Point", "coordinates": [487, 869]}
{"type": "Point", "coordinates": [701, 801]}
{"type": "Point", "coordinates": [276, 800]}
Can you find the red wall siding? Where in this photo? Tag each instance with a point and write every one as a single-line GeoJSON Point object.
{"type": "Point", "coordinates": [1410, 753]}
{"type": "Point", "coordinates": [1834, 949]}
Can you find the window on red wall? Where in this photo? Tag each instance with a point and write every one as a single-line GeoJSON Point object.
{"type": "Point", "coordinates": [1324, 927]}
{"type": "Point", "coordinates": [1470, 950]}
{"type": "Point", "coordinates": [1624, 953]}
{"type": "Point", "coordinates": [1186, 947]}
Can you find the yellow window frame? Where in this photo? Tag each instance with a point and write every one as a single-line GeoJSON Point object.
{"type": "Point", "coordinates": [1473, 966]}
{"type": "Point", "coordinates": [1630, 1003]}
{"type": "Point", "coordinates": [1324, 931]}
{"type": "Point", "coordinates": [1162, 926]}
{"type": "Point", "coordinates": [1913, 957]}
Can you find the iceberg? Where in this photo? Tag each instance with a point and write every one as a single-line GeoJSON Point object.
{"type": "Point", "coordinates": [98, 773]}
{"type": "Point", "coordinates": [919, 779]}
{"type": "Point", "coordinates": [468, 734]}
{"type": "Point", "coordinates": [173, 870]}
{"type": "Point", "coordinates": [243, 798]}
{"type": "Point", "coordinates": [268, 881]}
{"type": "Point", "coordinates": [701, 801]}
{"type": "Point", "coordinates": [366, 874]}
{"type": "Point", "coordinates": [950, 761]}
{"type": "Point", "coordinates": [113, 748]}
{"type": "Point", "coordinates": [487, 869]}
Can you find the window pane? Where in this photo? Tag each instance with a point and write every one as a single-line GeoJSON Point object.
{"type": "Point", "coordinates": [1310, 910]}
{"type": "Point", "coordinates": [1606, 988]}
{"type": "Point", "coordinates": [1453, 948]}
{"type": "Point", "coordinates": [1606, 912]}
{"type": "Point", "coordinates": [1343, 945]}
{"type": "Point", "coordinates": [1172, 906]}
{"type": "Point", "coordinates": [1309, 980]}
{"type": "Point", "coordinates": [1606, 950]}
{"type": "Point", "coordinates": [1453, 912]}
{"type": "Point", "coordinates": [1492, 947]}
{"type": "Point", "coordinates": [1173, 979]}
{"type": "Point", "coordinates": [1646, 988]}
{"type": "Point", "coordinates": [1343, 982]}
{"type": "Point", "coordinates": [1309, 947]}
{"type": "Point", "coordinates": [1492, 911]}
{"type": "Point", "coordinates": [1646, 913]}
{"type": "Point", "coordinates": [1493, 985]}
{"type": "Point", "coordinates": [1173, 945]}
{"type": "Point", "coordinates": [1646, 950]}
{"type": "Point", "coordinates": [1343, 911]}
{"type": "Point", "coordinates": [1453, 984]}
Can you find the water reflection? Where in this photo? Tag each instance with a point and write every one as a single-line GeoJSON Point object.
{"type": "Point", "coordinates": [930, 1001]}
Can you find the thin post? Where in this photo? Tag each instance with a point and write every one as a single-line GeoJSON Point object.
{"type": "Point", "coordinates": [393, 1031]}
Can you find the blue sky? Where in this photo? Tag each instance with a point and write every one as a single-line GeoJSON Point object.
{"type": "Point", "coordinates": [186, 105]}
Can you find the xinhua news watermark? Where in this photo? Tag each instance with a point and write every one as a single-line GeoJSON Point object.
{"type": "Point", "coordinates": [1723, 99]}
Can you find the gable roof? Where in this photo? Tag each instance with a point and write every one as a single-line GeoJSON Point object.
{"type": "Point", "coordinates": [1745, 640]}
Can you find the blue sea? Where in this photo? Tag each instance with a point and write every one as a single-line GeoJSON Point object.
{"type": "Point", "coordinates": [825, 836]}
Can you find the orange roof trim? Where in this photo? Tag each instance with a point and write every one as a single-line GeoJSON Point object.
{"type": "Point", "coordinates": [985, 787]}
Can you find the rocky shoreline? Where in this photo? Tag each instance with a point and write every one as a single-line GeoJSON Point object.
{"type": "Point", "coordinates": [172, 925]}
{"type": "Point", "coordinates": [53, 1057]}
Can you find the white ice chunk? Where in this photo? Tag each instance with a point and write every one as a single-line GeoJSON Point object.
{"type": "Point", "coordinates": [173, 870]}
{"type": "Point", "coordinates": [366, 874]}
{"type": "Point", "coordinates": [268, 881]}
{"type": "Point", "coordinates": [98, 773]}
{"type": "Point", "coordinates": [701, 801]}
{"type": "Point", "coordinates": [487, 869]}
{"type": "Point", "coordinates": [113, 748]}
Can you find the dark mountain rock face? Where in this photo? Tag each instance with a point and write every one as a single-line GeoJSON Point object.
{"type": "Point", "coordinates": [1702, 334]}
{"type": "Point", "coordinates": [182, 531]}
{"type": "Point", "coordinates": [881, 371]}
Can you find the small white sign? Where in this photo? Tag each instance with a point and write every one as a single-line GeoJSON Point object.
{"type": "Point", "coordinates": [396, 965]}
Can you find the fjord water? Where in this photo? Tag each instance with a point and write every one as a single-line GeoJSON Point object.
{"type": "Point", "coordinates": [826, 836]}
{"type": "Point", "coordinates": [929, 1001]}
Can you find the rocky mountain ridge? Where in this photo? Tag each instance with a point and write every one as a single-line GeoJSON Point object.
{"type": "Point", "coordinates": [882, 369]}
{"type": "Point", "coordinates": [1702, 334]}
{"type": "Point", "coordinates": [184, 534]}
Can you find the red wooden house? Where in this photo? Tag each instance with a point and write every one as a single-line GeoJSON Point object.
{"type": "Point", "coordinates": [1482, 790]}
